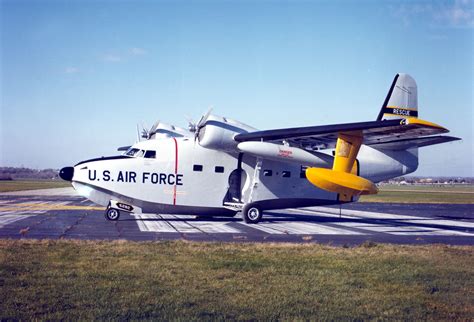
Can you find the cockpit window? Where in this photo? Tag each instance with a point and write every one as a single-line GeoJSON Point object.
{"type": "Point", "coordinates": [131, 152]}
{"type": "Point", "coordinates": [150, 154]}
{"type": "Point", "coordinates": [137, 153]}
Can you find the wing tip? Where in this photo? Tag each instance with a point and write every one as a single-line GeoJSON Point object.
{"type": "Point", "coordinates": [423, 123]}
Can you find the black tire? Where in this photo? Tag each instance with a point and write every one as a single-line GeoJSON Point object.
{"type": "Point", "coordinates": [252, 214]}
{"type": "Point", "coordinates": [112, 214]}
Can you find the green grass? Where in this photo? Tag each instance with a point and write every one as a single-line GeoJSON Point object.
{"type": "Point", "coordinates": [207, 281]}
{"type": "Point", "coordinates": [19, 185]}
{"type": "Point", "coordinates": [423, 194]}
{"type": "Point", "coordinates": [434, 188]}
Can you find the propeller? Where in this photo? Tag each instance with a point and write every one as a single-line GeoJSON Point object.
{"type": "Point", "coordinates": [138, 134]}
{"type": "Point", "coordinates": [147, 134]}
{"type": "Point", "coordinates": [191, 124]}
{"type": "Point", "coordinates": [201, 123]}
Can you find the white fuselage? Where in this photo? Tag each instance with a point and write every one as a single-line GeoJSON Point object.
{"type": "Point", "coordinates": [178, 175]}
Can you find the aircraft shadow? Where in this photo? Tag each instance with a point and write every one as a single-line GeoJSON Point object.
{"type": "Point", "coordinates": [284, 217]}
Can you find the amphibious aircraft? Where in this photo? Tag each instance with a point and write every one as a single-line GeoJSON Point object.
{"type": "Point", "coordinates": [220, 166]}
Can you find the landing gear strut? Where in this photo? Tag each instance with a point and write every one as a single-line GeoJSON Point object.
{"type": "Point", "coordinates": [252, 213]}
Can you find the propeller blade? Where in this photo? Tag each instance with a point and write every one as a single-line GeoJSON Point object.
{"type": "Point", "coordinates": [191, 124]}
{"type": "Point", "coordinates": [153, 129]}
{"type": "Point", "coordinates": [138, 134]}
{"type": "Point", "coordinates": [201, 123]}
{"type": "Point", "coordinates": [204, 118]}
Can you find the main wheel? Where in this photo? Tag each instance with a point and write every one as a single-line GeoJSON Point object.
{"type": "Point", "coordinates": [251, 214]}
{"type": "Point", "coordinates": [112, 214]}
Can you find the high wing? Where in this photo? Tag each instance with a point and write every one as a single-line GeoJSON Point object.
{"type": "Point", "coordinates": [402, 132]}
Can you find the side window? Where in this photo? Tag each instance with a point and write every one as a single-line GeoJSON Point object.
{"type": "Point", "coordinates": [267, 173]}
{"type": "Point", "coordinates": [219, 169]}
{"type": "Point", "coordinates": [303, 172]}
{"type": "Point", "coordinates": [150, 154]}
{"type": "Point", "coordinates": [286, 174]}
{"type": "Point", "coordinates": [197, 167]}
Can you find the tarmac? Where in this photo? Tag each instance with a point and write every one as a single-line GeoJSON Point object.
{"type": "Point", "coordinates": [61, 214]}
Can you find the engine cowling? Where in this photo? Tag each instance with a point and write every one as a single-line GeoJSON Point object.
{"type": "Point", "coordinates": [218, 133]}
{"type": "Point", "coordinates": [284, 153]}
{"type": "Point", "coordinates": [164, 130]}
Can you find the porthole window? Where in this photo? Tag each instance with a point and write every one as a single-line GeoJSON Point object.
{"type": "Point", "coordinates": [286, 174]}
{"type": "Point", "coordinates": [197, 167]}
{"type": "Point", "coordinates": [150, 154]}
{"type": "Point", "coordinates": [219, 169]}
{"type": "Point", "coordinates": [267, 173]}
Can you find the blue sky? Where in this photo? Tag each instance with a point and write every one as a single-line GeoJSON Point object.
{"type": "Point", "coordinates": [77, 76]}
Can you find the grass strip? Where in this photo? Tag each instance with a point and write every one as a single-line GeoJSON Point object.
{"type": "Point", "coordinates": [20, 185]}
{"type": "Point", "coordinates": [421, 196]}
{"type": "Point", "coordinates": [215, 281]}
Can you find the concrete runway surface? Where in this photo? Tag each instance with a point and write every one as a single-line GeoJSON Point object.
{"type": "Point", "coordinates": [60, 213]}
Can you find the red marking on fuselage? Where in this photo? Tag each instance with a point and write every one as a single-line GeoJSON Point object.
{"type": "Point", "coordinates": [175, 168]}
{"type": "Point", "coordinates": [285, 153]}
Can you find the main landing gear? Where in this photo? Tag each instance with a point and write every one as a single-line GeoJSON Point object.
{"type": "Point", "coordinates": [251, 213]}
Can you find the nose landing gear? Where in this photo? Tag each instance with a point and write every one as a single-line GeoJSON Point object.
{"type": "Point", "coordinates": [112, 214]}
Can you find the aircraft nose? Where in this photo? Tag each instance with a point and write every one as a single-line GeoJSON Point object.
{"type": "Point", "coordinates": [66, 173]}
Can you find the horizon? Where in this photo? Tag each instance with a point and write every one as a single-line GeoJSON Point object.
{"type": "Point", "coordinates": [78, 76]}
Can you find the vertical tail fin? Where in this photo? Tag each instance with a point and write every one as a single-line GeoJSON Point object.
{"type": "Point", "coordinates": [401, 100]}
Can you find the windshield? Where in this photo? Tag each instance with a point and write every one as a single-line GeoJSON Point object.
{"type": "Point", "coordinates": [131, 152]}
{"type": "Point", "coordinates": [137, 153]}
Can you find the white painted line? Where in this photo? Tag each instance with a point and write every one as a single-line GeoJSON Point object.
{"type": "Point", "coordinates": [180, 224]}
{"type": "Point", "coordinates": [177, 223]}
{"type": "Point", "coordinates": [210, 227]}
{"type": "Point", "coordinates": [357, 213]}
{"type": "Point", "coordinates": [298, 228]}
{"type": "Point", "coordinates": [404, 230]}
{"type": "Point", "coordinates": [441, 222]}
{"type": "Point", "coordinates": [152, 222]}
{"type": "Point", "coordinates": [8, 219]}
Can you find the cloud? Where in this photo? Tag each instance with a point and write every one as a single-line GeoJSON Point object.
{"type": "Point", "coordinates": [138, 51]}
{"type": "Point", "coordinates": [460, 14]}
{"type": "Point", "coordinates": [112, 58]}
{"type": "Point", "coordinates": [71, 70]}
{"type": "Point", "coordinates": [123, 55]}
{"type": "Point", "coordinates": [454, 14]}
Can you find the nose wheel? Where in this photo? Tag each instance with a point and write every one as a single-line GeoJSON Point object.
{"type": "Point", "coordinates": [112, 214]}
{"type": "Point", "coordinates": [252, 214]}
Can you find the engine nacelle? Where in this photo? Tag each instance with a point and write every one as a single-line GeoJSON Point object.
{"type": "Point", "coordinates": [278, 152]}
{"type": "Point", "coordinates": [219, 132]}
{"type": "Point", "coordinates": [164, 131]}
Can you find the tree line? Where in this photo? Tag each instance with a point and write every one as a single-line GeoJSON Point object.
{"type": "Point", "coordinates": [13, 173]}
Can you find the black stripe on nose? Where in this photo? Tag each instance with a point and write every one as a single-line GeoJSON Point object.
{"type": "Point", "coordinates": [66, 173]}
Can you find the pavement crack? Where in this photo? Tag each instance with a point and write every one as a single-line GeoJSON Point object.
{"type": "Point", "coordinates": [70, 227]}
